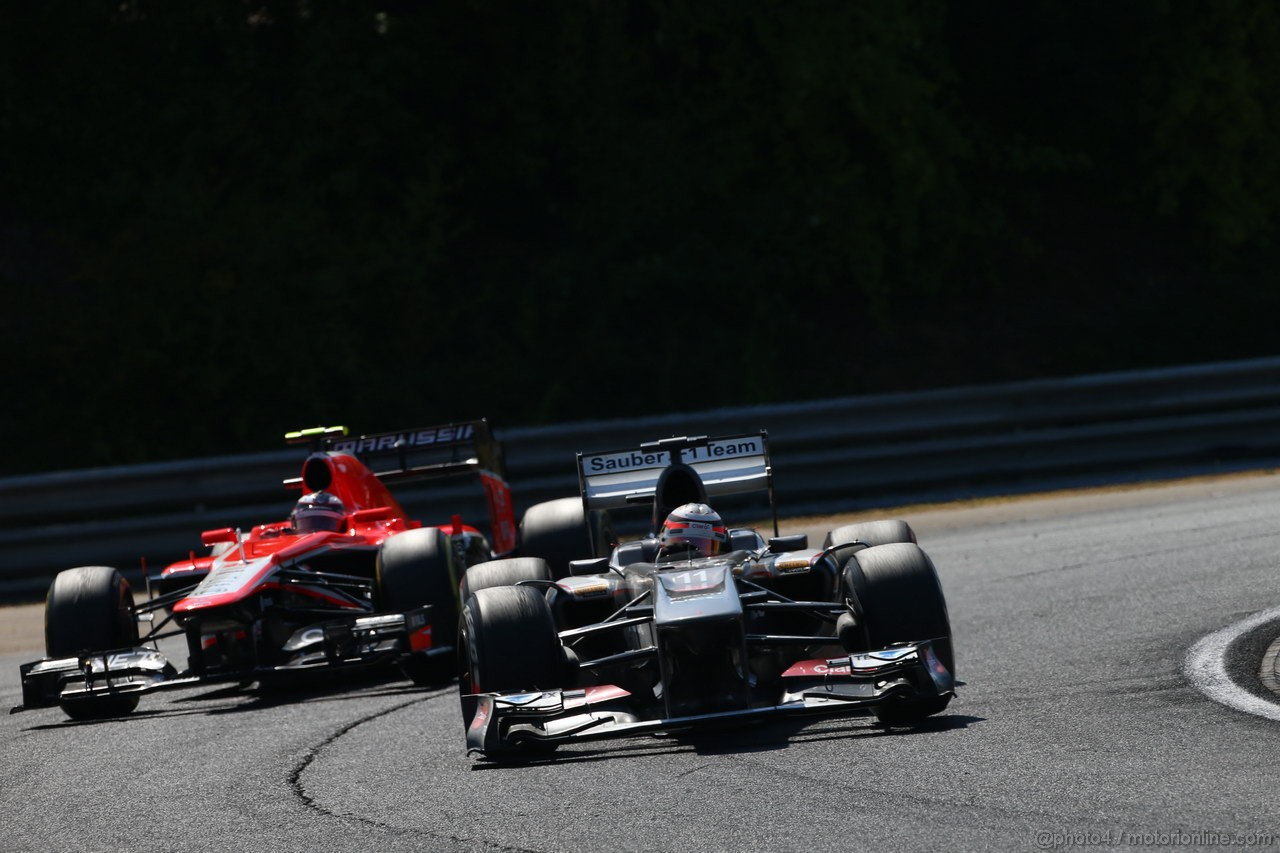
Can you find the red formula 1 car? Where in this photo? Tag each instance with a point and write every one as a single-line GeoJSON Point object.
{"type": "Point", "coordinates": [348, 580]}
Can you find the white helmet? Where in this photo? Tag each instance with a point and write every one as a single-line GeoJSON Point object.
{"type": "Point", "coordinates": [694, 525]}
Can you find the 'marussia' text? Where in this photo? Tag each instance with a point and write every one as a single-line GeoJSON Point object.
{"type": "Point", "coordinates": [421, 438]}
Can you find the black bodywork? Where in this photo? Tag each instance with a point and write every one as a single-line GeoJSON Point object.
{"type": "Point", "coordinates": [655, 642]}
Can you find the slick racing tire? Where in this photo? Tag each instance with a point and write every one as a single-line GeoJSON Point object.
{"type": "Point", "coordinates": [415, 569]}
{"type": "Point", "coordinates": [507, 572]}
{"type": "Point", "coordinates": [507, 642]}
{"type": "Point", "coordinates": [90, 609]}
{"type": "Point", "coordinates": [900, 600]}
{"type": "Point", "coordinates": [871, 533]}
{"type": "Point", "coordinates": [561, 530]}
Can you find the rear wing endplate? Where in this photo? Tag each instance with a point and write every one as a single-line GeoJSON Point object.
{"type": "Point", "coordinates": [726, 465]}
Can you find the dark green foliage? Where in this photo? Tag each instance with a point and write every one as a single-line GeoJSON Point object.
{"type": "Point", "coordinates": [220, 221]}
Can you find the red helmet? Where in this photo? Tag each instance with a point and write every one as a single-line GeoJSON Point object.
{"type": "Point", "coordinates": [318, 511]}
{"type": "Point", "coordinates": [697, 526]}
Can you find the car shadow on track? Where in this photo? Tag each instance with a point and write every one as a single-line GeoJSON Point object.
{"type": "Point", "coordinates": [241, 699]}
{"type": "Point", "coordinates": [747, 738]}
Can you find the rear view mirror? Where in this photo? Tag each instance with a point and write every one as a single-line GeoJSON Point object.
{"type": "Point", "coordinates": [222, 534]}
{"type": "Point", "coordinates": [592, 566]}
{"type": "Point", "coordinates": [794, 542]}
{"type": "Point", "coordinates": [366, 516]}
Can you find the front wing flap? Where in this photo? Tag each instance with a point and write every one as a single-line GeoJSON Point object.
{"type": "Point", "coordinates": [116, 672]}
{"type": "Point", "coordinates": [352, 641]}
{"type": "Point", "coordinates": [855, 684]}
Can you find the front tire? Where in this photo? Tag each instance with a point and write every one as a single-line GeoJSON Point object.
{"type": "Point", "coordinates": [897, 590]}
{"type": "Point", "coordinates": [90, 609]}
{"type": "Point", "coordinates": [508, 642]}
{"type": "Point", "coordinates": [415, 569]}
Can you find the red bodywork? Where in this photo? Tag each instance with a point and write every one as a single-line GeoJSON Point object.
{"type": "Point", "coordinates": [279, 601]}
{"type": "Point", "coordinates": [373, 514]}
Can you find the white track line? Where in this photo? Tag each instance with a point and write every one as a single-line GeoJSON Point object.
{"type": "Point", "coordinates": [1206, 667]}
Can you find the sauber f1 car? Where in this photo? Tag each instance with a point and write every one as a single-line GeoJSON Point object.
{"type": "Point", "coordinates": [349, 580]}
{"type": "Point", "coordinates": [654, 639]}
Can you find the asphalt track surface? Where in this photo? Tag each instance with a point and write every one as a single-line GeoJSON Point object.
{"type": "Point", "coordinates": [1077, 726]}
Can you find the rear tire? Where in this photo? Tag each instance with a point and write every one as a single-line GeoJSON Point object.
{"type": "Point", "coordinates": [871, 533]}
{"type": "Point", "coordinates": [561, 530]}
{"type": "Point", "coordinates": [415, 569]}
{"type": "Point", "coordinates": [90, 609]}
{"type": "Point", "coordinates": [507, 572]}
{"type": "Point", "coordinates": [508, 642]}
{"type": "Point", "coordinates": [900, 598]}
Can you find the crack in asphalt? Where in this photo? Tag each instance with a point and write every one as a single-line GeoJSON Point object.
{"type": "Point", "coordinates": [299, 789]}
{"type": "Point", "coordinates": [295, 775]}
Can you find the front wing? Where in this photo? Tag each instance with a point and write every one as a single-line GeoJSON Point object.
{"type": "Point", "coordinates": [350, 642]}
{"type": "Point", "coordinates": [857, 684]}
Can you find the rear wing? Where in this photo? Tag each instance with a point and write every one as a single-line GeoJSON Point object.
{"type": "Point", "coordinates": [446, 450]}
{"type": "Point", "coordinates": [726, 465]}
{"type": "Point", "coordinates": [415, 454]}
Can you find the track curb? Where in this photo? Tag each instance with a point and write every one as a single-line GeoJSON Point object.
{"type": "Point", "coordinates": [1221, 665]}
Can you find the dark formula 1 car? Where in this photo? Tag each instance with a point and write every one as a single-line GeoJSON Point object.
{"type": "Point", "coordinates": [349, 580]}
{"type": "Point", "coordinates": [647, 641]}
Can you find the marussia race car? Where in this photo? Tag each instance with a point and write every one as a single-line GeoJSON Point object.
{"type": "Point", "coordinates": [349, 580]}
{"type": "Point", "coordinates": [646, 641]}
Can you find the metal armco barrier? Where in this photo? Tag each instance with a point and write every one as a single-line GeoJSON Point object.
{"type": "Point", "coordinates": [828, 456]}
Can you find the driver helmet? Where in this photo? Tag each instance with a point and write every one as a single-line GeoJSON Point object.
{"type": "Point", "coordinates": [695, 525]}
{"type": "Point", "coordinates": [318, 511]}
